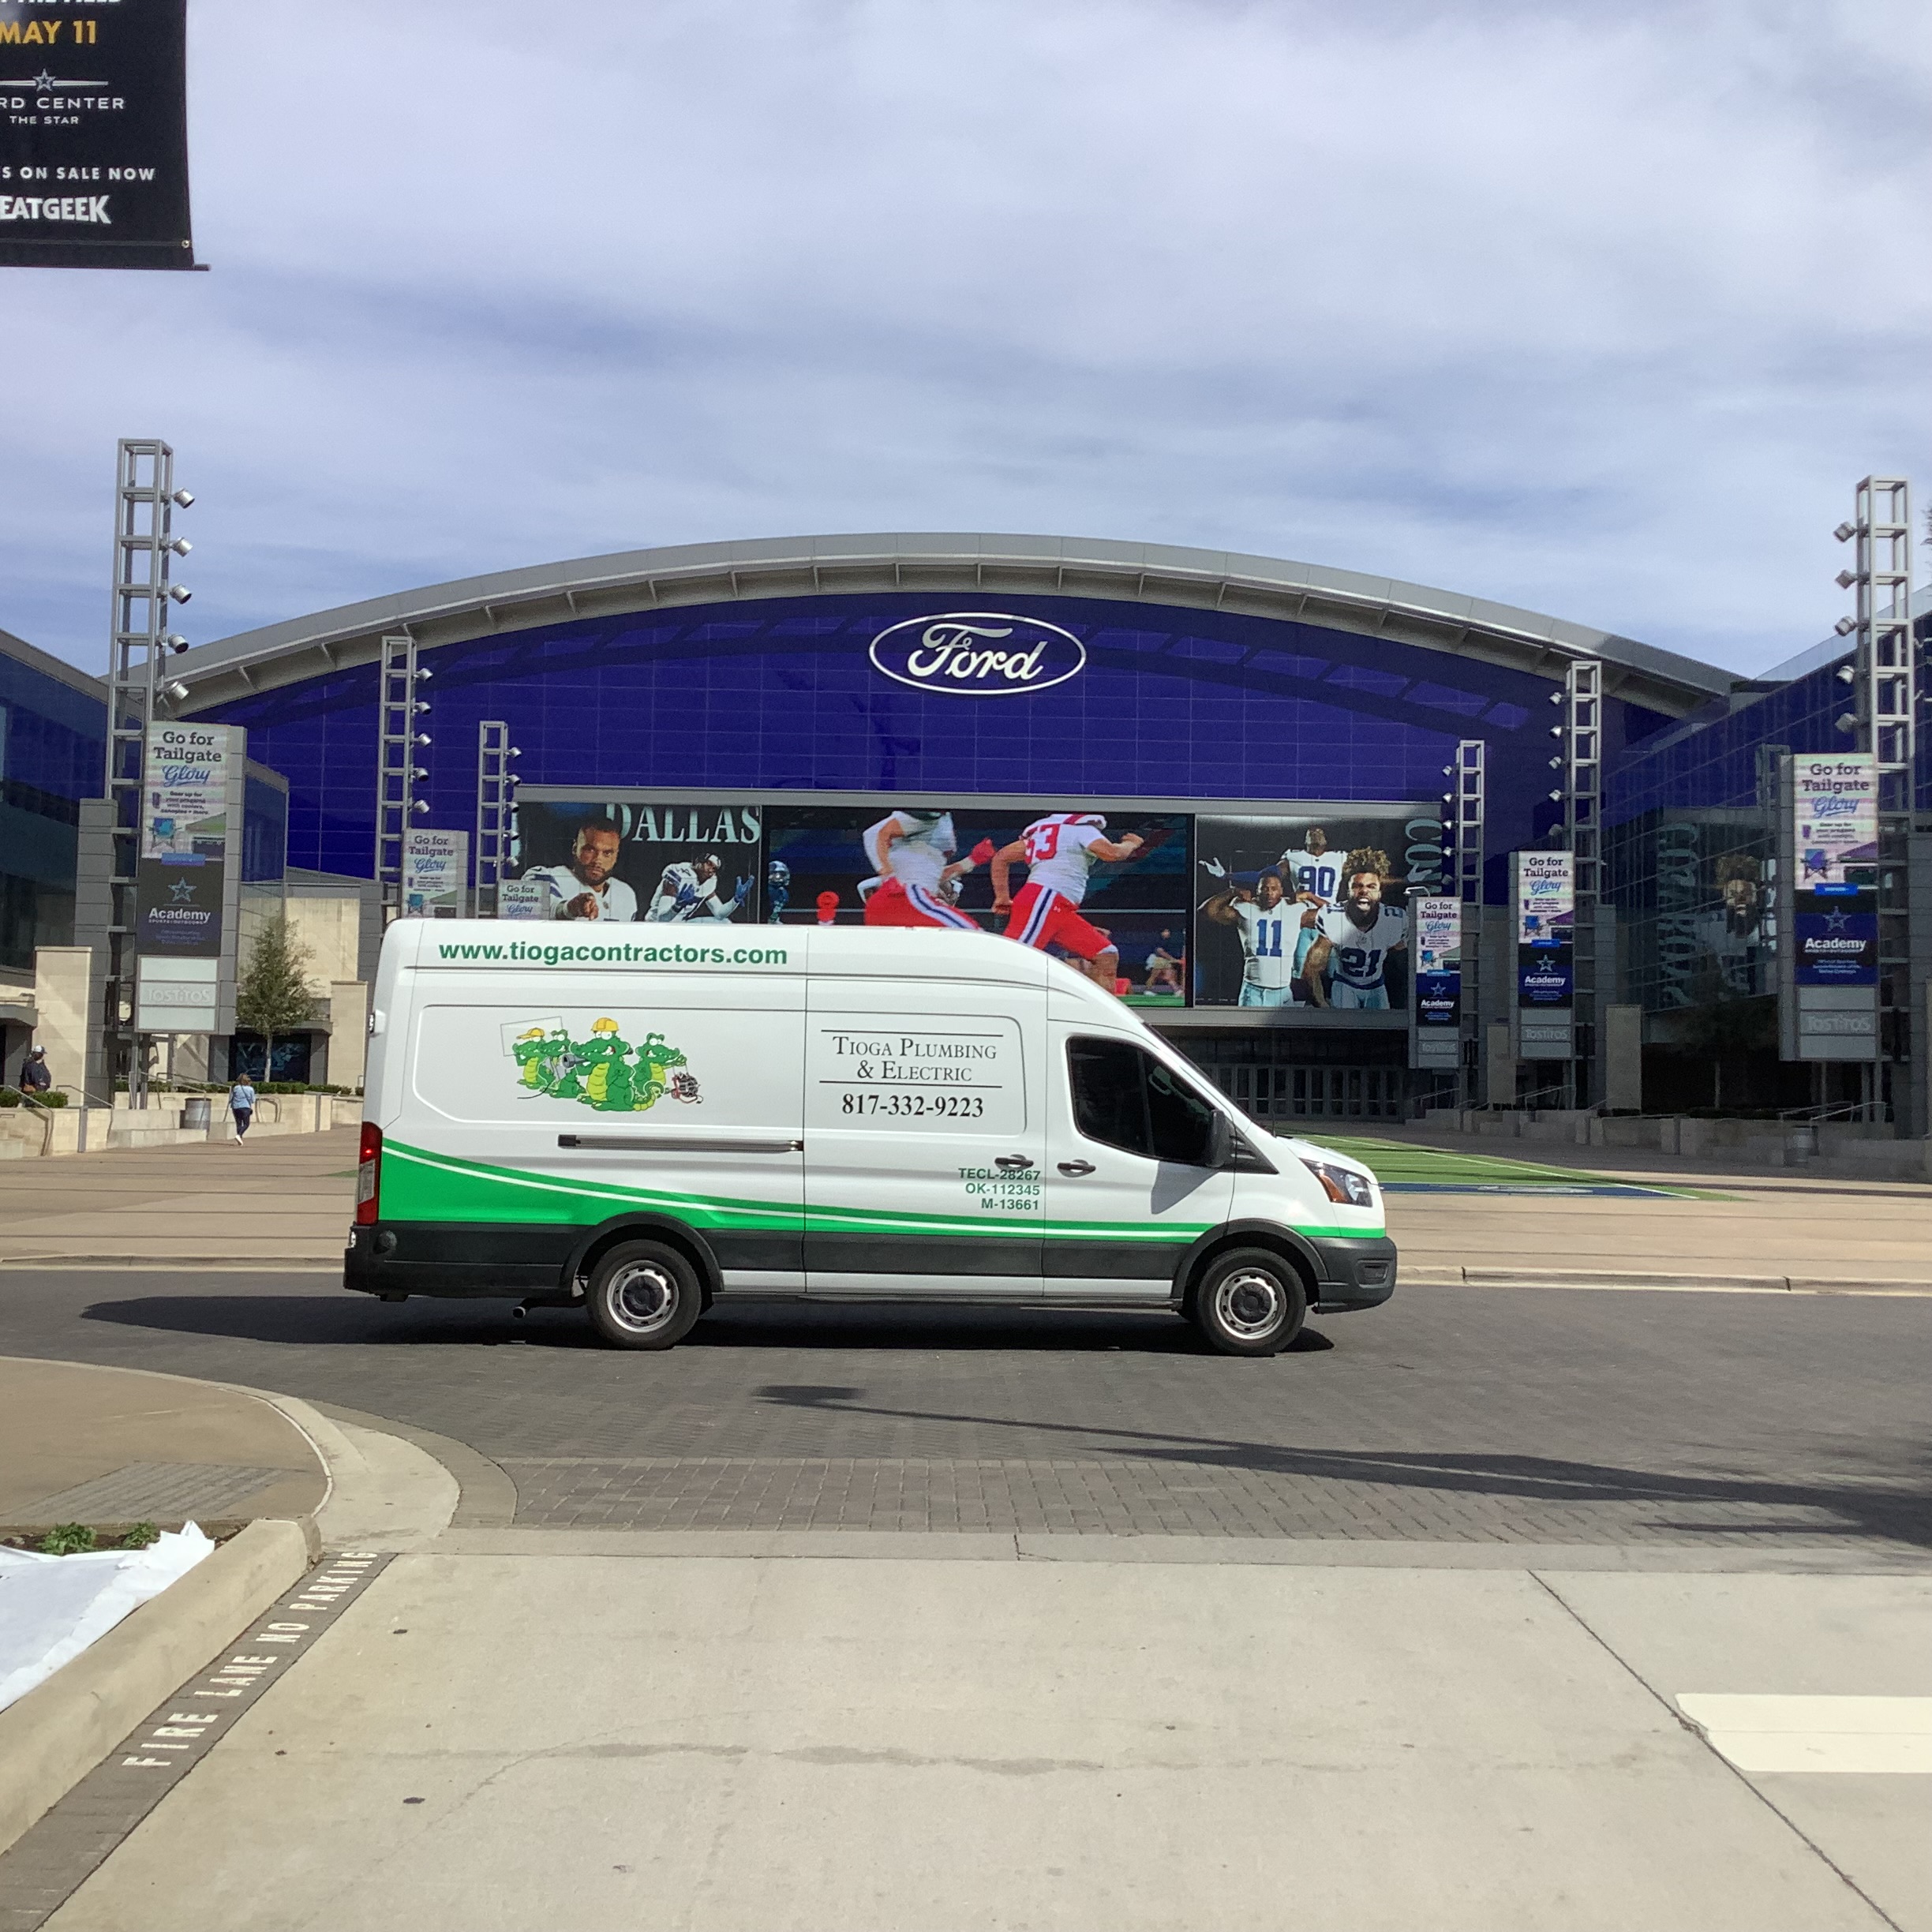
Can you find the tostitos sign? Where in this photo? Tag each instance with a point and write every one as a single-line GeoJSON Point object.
{"type": "Point", "coordinates": [978, 654]}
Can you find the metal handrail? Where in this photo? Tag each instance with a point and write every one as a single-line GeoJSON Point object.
{"type": "Point", "coordinates": [1869, 1113]}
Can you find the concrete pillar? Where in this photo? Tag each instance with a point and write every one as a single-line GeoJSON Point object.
{"type": "Point", "coordinates": [348, 1038]}
{"type": "Point", "coordinates": [1622, 1059]}
{"type": "Point", "coordinates": [1500, 1088]}
{"type": "Point", "coordinates": [63, 993]}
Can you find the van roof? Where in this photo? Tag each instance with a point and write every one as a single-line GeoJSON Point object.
{"type": "Point", "coordinates": [524, 945]}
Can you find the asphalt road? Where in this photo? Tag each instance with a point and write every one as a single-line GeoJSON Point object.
{"type": "Point", "coordinates": [1451, 1415]}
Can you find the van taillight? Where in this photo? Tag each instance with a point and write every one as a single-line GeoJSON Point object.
{"type": "Point", "coordinates": [368, 1173]}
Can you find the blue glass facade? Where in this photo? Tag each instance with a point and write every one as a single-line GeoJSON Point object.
{"type": "Point", "coordinates": [780, 695]}
{"type": "Point", "coordinates": [53, 749]}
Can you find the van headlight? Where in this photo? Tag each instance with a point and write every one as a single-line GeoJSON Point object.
{"type": "Point", "coordinates": [1343, 1183]}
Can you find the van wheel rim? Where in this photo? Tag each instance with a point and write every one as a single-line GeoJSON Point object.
{"type": "Point", "coordinates": [1250, 1304]}
{"type": "Point", "coordinates": [642, 1297]}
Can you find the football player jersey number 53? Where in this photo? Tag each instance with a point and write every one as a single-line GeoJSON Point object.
{"type": "Point", "coordinates": [1042, 842]}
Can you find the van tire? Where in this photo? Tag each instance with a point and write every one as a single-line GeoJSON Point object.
{"type": "Point", "coordinates": [1250, 1301]}
{"type": "Point", "coordinates": [643, 1295]}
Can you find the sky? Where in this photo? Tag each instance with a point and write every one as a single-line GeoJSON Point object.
{"type": "Point", "coordinates": [1600, 311]}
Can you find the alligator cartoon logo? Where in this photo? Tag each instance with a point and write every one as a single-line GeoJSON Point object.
{"type": "Point", "coordinates": [604, 1072]}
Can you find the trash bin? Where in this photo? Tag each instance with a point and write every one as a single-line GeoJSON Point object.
{"type": "Point", "coordinates": [195, 1110]}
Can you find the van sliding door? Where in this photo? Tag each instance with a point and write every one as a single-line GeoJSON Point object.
{"type": "Point", "coordinates": [924, 1137]}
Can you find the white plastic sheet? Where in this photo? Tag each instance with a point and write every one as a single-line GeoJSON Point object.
{"type": "Point", "coordinates": [52, 1608]}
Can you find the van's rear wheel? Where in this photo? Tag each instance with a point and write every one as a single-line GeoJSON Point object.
{"type": "Point", "coordinates": [643, 1295]}
{"type": "Point", "coordinates": [1249, 1302]}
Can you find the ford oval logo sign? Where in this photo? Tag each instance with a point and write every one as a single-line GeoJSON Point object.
{"type": "Point", "coordinates": [978, 654]}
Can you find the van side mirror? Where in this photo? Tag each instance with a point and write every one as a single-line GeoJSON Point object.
{"type": "Point", "coordinates": [1220, 1148]}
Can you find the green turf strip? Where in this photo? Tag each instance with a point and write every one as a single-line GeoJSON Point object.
{"type": "Point", "coordinates": [1396, 1161]}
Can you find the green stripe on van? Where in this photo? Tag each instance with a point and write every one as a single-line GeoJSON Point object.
{"type": "Point", "coordinates": [420, 1185]}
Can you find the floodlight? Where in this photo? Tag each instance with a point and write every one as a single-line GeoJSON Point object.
{"type": "Point", "coordinates": [1556, 697]}
{"type": "Point", "coordinates": [175, 641]}
{"type": "Point", "coordinates": [180, 593]}
{"type": "Point", "coordinates": [516, 751]}
{"type": "Point", "coordinates": [1845, 532]}
{"type": "Point", "coordinates": [1555, 798]}
{"type": "Point", "coordinates": [422, 738]}
{"type": "Point", "coordinates": [1555, 764]}
{"type": "Point", "coordinates": [416, 771]}
{"type": "Point", "coordinates": [1847, 675]}
{"type": "Point", "coordinates": [1446, 798]}
{"type": "Point", "coordinates": [420, 805]}
{"type": "Point", "coordinates": [1846, 579]}
{"type": "Point", "coordinates": [176, 691]}
{"type": "Point", "coordinates": [1845, 626]}
{"type": "Point", "coordinates": [423, 672]}
{"type": "Point", "coordinates": [422, 704]}
{"type": "Point", "coordinates": [1845, 722]}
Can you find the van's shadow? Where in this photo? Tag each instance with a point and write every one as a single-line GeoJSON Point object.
{"type": "Point", "coordinates": [316, 1320]}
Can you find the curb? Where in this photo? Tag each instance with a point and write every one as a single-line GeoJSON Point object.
{"type": "Point", "coordinates": [1596, 1277]}
{"type": "Point", "coordinates": [224, 1263]}
{"type": "Point", "coordinates": [61, 1729]}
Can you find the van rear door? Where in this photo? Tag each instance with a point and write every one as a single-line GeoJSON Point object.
{"type": "Point", "coordinates": [924, 1136]}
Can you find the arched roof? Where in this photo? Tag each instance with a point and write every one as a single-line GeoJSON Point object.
{"type": "Point", "coordinates": [945, 565]}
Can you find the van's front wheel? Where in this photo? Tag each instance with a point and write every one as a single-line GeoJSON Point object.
{"type": "Point", "coordinates": [1249, 1302]}
{"type": "Point", "coordinates": [643, 1295]}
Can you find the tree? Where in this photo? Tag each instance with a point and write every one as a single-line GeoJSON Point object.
{"type": "Point", "coordinates": [272, 994]}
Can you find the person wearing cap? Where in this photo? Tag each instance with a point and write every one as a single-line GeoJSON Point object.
{"type": "Point", "coordinates": [35, 1076]}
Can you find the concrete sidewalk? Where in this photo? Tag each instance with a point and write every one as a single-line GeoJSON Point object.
{"type": "Point", "coordinates": [116, 1446]}
{"type": "Point", "coordinates": [629, 1740]}
{"type": "Point", "coordinates": [285, 1200]}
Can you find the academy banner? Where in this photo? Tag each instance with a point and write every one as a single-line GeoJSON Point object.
{"type": "Point", "coordinates": [94, 135]}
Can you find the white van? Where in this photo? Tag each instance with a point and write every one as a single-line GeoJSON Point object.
{"type": "Point", "coordinates": [648, 1120]}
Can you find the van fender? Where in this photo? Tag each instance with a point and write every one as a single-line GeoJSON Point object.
{"type": "Point", "coordinates": [1251, 1232]}
{"type": "Point", "coordinates": [677, 1233]}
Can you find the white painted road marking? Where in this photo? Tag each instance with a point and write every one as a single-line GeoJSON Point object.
{"type": "Point", "coordinates": [1817, 1734]}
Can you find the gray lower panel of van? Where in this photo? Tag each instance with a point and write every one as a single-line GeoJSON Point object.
{"type": "Point", "coordinates": [984, 1289]}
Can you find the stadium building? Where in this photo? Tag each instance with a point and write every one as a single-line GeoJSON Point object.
{"type": "Point", "coordinates": [741, 715]}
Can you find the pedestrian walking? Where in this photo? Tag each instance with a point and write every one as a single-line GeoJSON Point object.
{"type": "Point", "coordinates": [37, 1077]}
{"type": "Point", "coordinates": [242, 1105]}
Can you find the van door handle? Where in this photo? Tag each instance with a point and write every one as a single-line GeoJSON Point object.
{"type": "Point", "coordinates": [1011, 1161]}
{"type": "Point", "coordinates": [1077, 1167]}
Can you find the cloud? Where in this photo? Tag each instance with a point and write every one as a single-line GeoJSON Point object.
{"type": "Point", "coordinates": [1603, 314]}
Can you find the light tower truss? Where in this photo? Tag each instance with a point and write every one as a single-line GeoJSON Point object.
{"type": "Point", "coordinates": [144, 548]}
{"type": "Point", "coordinates": [398, 711]}
{"type": "Point", "coordinates": [494, 785]}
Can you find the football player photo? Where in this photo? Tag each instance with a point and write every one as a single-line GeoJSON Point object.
{"type": "Point", "coordinates": [1354, 938]}
{"type": "Point", "coordinates": [587, 887]}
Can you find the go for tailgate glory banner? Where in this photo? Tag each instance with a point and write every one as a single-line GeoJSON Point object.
{"type": "Point", "coordinates": [1835, 839]}
{"type": "Point", "coordinates": [181, 867]}
{"type": "Point", "coordinates": [1545, 928]}
{"type": "Point", "coordinates": [93, 134]}
{"type": "Point", "coordinates": [1438, 961]}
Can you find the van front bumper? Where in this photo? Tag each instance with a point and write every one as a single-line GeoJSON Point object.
{"type": "Point", "coordinates": [1357, 1271]}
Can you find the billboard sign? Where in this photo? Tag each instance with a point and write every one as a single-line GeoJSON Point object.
{"type": "Point", "coordinates": [978, 654]}
{"type": "Point", "coordinates": [663, 862]}
{"type": "Point", "coordinates": [435, 873]}
{"type": "Point", "coordinates": [1307, 911]}
{"type": "Point", "coordinates": [524, 899]}
{"type": "Point", "coordinates": [94, 135]}
{"type": "Point", "coordinates": [1438, 961]}
{"type": "Point", "coordinates": [180, 869]}
{"type": "Point", "coordinates": [1835, 821]}
{"type": "Point", "coordinates": [1545, 929]}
